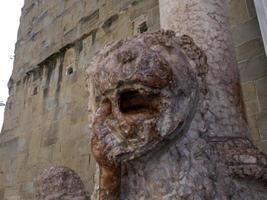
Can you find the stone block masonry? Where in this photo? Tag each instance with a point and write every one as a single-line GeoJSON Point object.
{"type": "Point", "coordinates": [46, 117]}
{"type": "Point", "coordinates": [252, 66]}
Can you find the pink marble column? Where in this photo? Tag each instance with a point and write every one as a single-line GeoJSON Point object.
{"type": "Point", "coordinates": [206, 21]}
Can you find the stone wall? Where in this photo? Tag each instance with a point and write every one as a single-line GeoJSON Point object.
{"type": "Point", "coordinates": [46, 117]}
{"type": "Point", "coordinates": [253, 67]}
{"type": "Point", "coordinates": [46, 114]}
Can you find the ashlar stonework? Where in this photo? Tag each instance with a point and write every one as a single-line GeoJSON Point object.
{"type": "Point", "coordinates": [152, 138]}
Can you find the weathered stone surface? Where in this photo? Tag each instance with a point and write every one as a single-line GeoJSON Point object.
{"type": "Point", "coordinates": [255, 135]}
{"type": "Point", "coordinates": [48, 101]}
{"type": "Point", "coordinates": [146, 98]}
{"type": "Point", "coordinates": [247, 31]}
{"type": "Point", "coordinates": [210, 29]}
{"type": "Point", "coordinates": [253, 69]}
{"type": "Point", "coordinates": [238, 12]}
{"type": "Point", "coordinates": [164, 149]}
{"type": "Point", "coordinates": [251, 8]}
{"type": "Point", "coordinates": [249, 49]}
{"type": "Point", "coordinates": [47, 107]}
{"type": "Point", "coordinates": [263, 145]}
{"type": "Point", "coordinates": [262, 124]}
{"type": "Point", "coordinates": [27, 190]}
{"type": "Point", "coordinates": [253, 65]}
{"type": "Point", "coordinates": [57, 183]}
{"type": "Point", "coordinates": [261, 86]}
{"type": "Point", "coordinates": [249, 91]}
{"type": "Point", "coordinates": [2, 193]}
{"type": "Point", "coordinates": [252, 107]}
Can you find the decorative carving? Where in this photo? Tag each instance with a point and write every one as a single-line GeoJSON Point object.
{"type": "Point", "coordinates": [56, 183]}
{"type": "Point", "coordinates": [149, 140]}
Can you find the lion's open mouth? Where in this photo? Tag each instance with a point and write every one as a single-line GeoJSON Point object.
{"type": "Point", "coordinates": [135, 102]}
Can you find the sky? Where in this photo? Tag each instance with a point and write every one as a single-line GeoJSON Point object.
{"type": "Point", "coordinates": [10, 12]}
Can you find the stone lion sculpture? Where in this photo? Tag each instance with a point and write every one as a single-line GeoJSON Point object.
{"type": "Point", "coordinates": [149, 139]}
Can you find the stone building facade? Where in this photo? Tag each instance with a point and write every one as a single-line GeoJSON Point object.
{"type": "Point", "coordinates": [252, 62]}
{"type": "Point", "coordinates": [46, 117]}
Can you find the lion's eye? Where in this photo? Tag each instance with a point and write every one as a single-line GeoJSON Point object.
{"type": "Point", "coordinates": [133, 102]}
